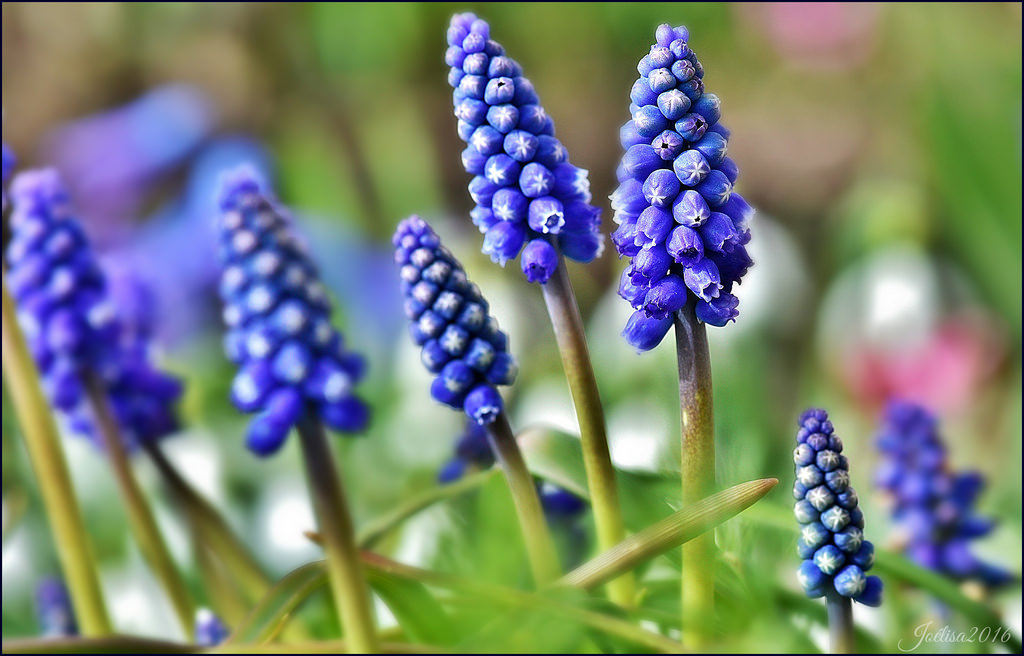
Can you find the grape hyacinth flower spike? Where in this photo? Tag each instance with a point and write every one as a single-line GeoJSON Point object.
{"type": "Point", "coordinates": [531, 199]}
{"type": "Point", "coordinates": [294, 371]}
{"type": "Point", "coordinates": [73, 327]}
{"type": "Point", "coordinates": [103, 385]}
{"type": "Point", "coordinates": [836, 557]}
{"type": "Point", "coordinates": [685, 232]}
{"type": "Point", "coordinates": [463, 346]}
{"type": "Point", "coordinates": [291, 360]}
{"type": "Point", "coordinates": [932, 505]}
{"type": "Point", "coordinates": [528, 196]}
{"type": "Point", "coordinates": [680, 223]}
{"type": "Point", "coordinates": [54, 612]}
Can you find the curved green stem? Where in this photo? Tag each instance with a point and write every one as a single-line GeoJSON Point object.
{"type": "Point", "coordinates": [348, 583]}
{"type": "Point", "coordinates": [604, 493]}
{"type": "Point", "coordinates": [211, 527]}
{"type": "Point", "coordinates": [140, 515]}
{"type": "Point", "coordinates": [42, 442]}
{"type": "Point", "coordinates": [540, 548]}
{"type": "Point", "coordinates": [697, 472]}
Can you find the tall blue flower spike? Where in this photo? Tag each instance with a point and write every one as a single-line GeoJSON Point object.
{"type": "Point", "coordinates": [933, 506]}
{"type": "Point", "coordinates": [54, 612]}
{"type": "Point", "coordinates": [449, 318]}
{"type": "Point", "coordinates": [528, 196]}
{"type": "Point", "coordinates": [679, 220]}
{"type": "Point", "coordinates": [290, 358]}
{"type": "Point", "coordinates": [832, 543]}
{"type": "Point", "coordinates": [210, 630]}
{"type": "Point", "coordinates": [70, 323]}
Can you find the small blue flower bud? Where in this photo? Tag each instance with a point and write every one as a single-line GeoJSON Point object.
{"type": "Point", "coordinates": [649, 121]}
{"type": "Point", "coordinates": [503, 118]}
{"type": "Point", "coordinates": [691, 127]}
{"type": "Point", "coordinates": [673, 104]}
{"type": "Point", "coordinates": [661, 80]}
{"type": "Point", "coordinates": [536, 180]}
{"type": "Point", "coordinates": [691, 167]}
{"type": "Point", "coordinates": [209, 630]}
{"type": "Point", "coordinates": [683, 70]}
{"type": "Point", "coordinates": [653, 226]}
{"type": "Point", "coordinates": [850, 581]}
{"type": "Point", "coordinates": [708, 106]}
{"type": "Point", "coordinates": [509, 204]}
{"type": "Point", "coordinates": [661, 188]}
{"type": "Point", "coordinates": [644, 332]}
{"type": "Point", "coordinates": [668, 145]}
{"type": "Point", "coordinates": [539, 261]}
{"type": "Point", "coordinates": [685, 245]}
{"type": "Point", "coordinates": [690, 209]}
{"type": "Point", "coordinates": [54, 611]}
{"type": "Point", "coordinates": [703, 279]}
{"type": "Point", "coordinates": [641, 94]}
{"type": "Point", "coordinates": [665, 297]}
{"type": "Point", "coordinates": [640, 161]}
{"type": "Point", "coordinates": [717, 231]}
{"type": "Point", "coordinates": [504, 241]}
{"type": "Point", "coordinates": [713, 147]}
{"type": "Point", "coordinates": [829, 559]}
{"type": "Point", "coordinates": [650, 265]}
{"type": "Point", "coordinates": [546, 215]}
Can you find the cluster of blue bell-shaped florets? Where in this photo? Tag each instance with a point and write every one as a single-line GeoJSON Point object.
{"type": "Point", "coordinates": [72, 326]}
{"type": "Point", "coordinates": [933, 506]}
{"type": "Point", "coordinates": [836, 555]}
{"type": "Point", "coordinates": [679, 220]}
{"type": "Point", "coordinates": [526, 191]}
{"type": "Point", "coordinates": [291, 359]}
{"type": "Point", "coordinates": [450, 320]}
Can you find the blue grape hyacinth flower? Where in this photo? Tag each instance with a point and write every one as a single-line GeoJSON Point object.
{"type": "Point", "coordinates": [472, 450]}
{"type": "Point", "coordinates": [679, 221]}
{"type": "Point", "coordinates": [8, 161]}
{"type": "Point", "coordinates": [528, 196]}
{"type": "Point", "coordinates": [72, 326]}
{"type": "Point", "coordinates": [54, 612]}
{"type": "Point", "coordinates": [461, 342]}
{"type": "Point", "coordinates": [209, 629]}
{"type": "Point", "coordinates": [835, 554]}
{"type": "Point", "coordinates": [290, 358]}
{"type": "Point", "coordinates": [933, 506]}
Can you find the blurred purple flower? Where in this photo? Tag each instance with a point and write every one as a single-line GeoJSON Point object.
{"type": "Point", "coordinates": [54, 612]}
{"type": "Point", "coordinates": [113, 157]}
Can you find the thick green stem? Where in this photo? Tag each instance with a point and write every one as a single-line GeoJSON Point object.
{"type": "Point", "coordinates": [140, 516]}
{"type": "Point", "coordinates": [42, 441]}
{"type": "Point", "coordinates": [604, 493]}
{"type": "Point", "coordinates": [840, 624]}
{"type": "Point", "coordinates": [697, 473]}
{"type": "Point", "coordinates": [540, 548]}
{"type": "Point", "coordinates": [211, 528]}
{"type": "Point", "coordinates": [348, 583]}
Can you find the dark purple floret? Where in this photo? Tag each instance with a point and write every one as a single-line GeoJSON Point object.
{"type": "Point", "coordinates": [291, 360]}
{"type": "Point", "coordinates": [933, 506]}
{"type": "Point", "coordinates": [73, 327]}
{"type": "Point", "coordinates": [835, 554]}
{"type": "Point", "coordinates": [678, 216]}
{"type": "Point", "coordinates": [525, 189]}
{"type": "Point", "coordinates": [460, 341]}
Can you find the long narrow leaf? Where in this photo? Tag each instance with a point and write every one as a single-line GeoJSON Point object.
{"type": "Point", "coordinates": [270, 615]}
{"type": "Point", "coordinates": [420, 615]}
{"type": "Point", "coordinates": [668, 533]}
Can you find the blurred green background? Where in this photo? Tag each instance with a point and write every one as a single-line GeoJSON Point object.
{"type": "Point", "coordinates": [880, 144]}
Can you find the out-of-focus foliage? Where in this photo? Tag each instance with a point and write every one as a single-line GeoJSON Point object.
{"type": "Point", "coordinates": [880, 144]}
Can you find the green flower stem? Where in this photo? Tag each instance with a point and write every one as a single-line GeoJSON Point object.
{"type": "Point", "coordinates": [604, 493]}
{"type": "Point", "coordinates": [540, 548]}
{"type": "Point", "coordinates": [348, 583]}
{"type": "Point", "coordinates": [211, 528]}
{"type": "Point", "coordinates": [840, 624]}
{"type": "Point", "coordinates": [47, 458]}
{"type": "Point", "coordinates": [140, 516]}
{"type": "Point", "coordinates": [697, 472]}
{"type": "Point", "coordinates": [678, 528]}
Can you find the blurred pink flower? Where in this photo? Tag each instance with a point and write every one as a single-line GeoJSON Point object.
{"type": "Point", "coordinates": [944, 370]}
{"type": "Point", "coordinates": [830, 35]}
